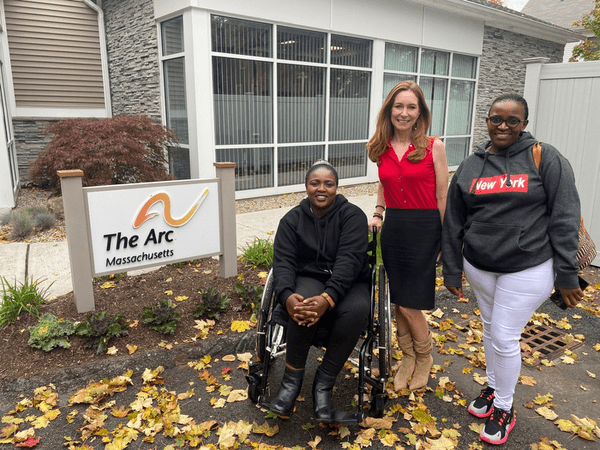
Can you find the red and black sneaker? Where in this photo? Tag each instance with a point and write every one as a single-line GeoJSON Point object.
{"type": "Point", "coordinates": [498, 426]}
{"type": "Point", "coordinates": [482, 406]}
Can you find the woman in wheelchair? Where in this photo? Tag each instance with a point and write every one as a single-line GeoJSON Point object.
{"type": "Point", "coordinates": [321, 276]}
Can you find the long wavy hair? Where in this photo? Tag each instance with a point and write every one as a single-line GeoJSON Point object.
{"type": "Point", "coordinates": [384, 131]}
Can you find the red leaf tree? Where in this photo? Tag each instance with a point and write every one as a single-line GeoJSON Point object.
{"type": "Point", "coordinates": [118, 150]}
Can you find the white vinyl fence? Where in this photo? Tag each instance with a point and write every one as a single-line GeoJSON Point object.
{"type": "Point", "coordinates": [564, 102]}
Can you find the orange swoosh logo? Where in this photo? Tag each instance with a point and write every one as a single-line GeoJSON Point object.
{"type": "Point", "coordinates": [143, 215]}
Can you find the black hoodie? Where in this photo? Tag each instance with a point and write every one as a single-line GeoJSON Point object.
{"type": "Point", "coordinates": [505, 227]}
{"type": "Point", "coordinates": [332, 248]}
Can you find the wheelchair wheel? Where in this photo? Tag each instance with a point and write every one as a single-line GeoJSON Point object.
{"type": "Point", "coordinates": [384, 322]}
{"type": "Point", "coordinates": [264, 315]}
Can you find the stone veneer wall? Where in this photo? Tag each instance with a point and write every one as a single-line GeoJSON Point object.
{"type": "Point", "coordinates": [132, 47]}
{"type": "Point", "coordinates": [502, 69]}
{"type": "Point", "coordinates": [30, 141]}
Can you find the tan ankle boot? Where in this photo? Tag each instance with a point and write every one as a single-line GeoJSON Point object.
{"type": "Point", "coordinates": [407, 363]}
{"type": "Point", "coordinates": [423, 364]}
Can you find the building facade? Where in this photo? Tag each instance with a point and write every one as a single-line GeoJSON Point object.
{"type": "Point", "coordinates": [277, 87]}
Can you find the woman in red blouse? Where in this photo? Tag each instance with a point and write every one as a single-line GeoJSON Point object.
{"type": "Point", "coordinates": [413, 184]}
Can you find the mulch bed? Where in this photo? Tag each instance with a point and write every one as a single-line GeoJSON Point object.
{"type": "Point", "coordinates": [129, 296]}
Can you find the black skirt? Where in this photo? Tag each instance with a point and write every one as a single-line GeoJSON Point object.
{"type": "Point", "coordinates": [410, 244]}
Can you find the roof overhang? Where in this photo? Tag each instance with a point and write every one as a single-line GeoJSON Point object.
{"type": "Point", "coordinates": [506, 20]}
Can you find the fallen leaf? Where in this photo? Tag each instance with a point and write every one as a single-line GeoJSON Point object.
{"type": "Point", "coordinates": [239, 325]}
{"type": "Point", "coordinates": [547, 413]}
{"type": "Point", "coordinates": [131, 348]}
{"type": "Point", "coordinates": [108, 285]}
{"type": "Point", "coordinates": [181, 298]}
{"type": "Point", "coordinates": [112, 350]}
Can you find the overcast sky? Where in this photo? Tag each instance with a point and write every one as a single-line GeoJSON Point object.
{"type": "Point", "coordinates": [515, 4]}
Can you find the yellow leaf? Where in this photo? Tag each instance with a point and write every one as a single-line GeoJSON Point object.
{"type": "Point", "coordinates": [263, 274]}
{"type": "Point", "coordinates": [244, 357]}
{"type": "Point", "coordinates": [239, 326]}
{"type": "Point", "coordinates": [317, 440]}
{"type": "Point", "coordinates": [112, 350]}
{"type": "Point", "coordinates": [169, 292]}
{"type": "Point", "coordinates": [206, 272]}
{"type": "Point", "coordinates": [108, 285]}
{"type": "Point", "coordinates": [134, 324]}
{"type": "Point", "coordinates": [527, 380]}
{"type": "Point", "coordinates": [547, 413]}
{"type": "Point", "coordinates": [590, 374]}
{"type": "Point", "coordinates": [41, 422]}
{"type": "Point", "coordinates": [220, 403]}
{"type": "Point", "coordinates": [237, 395]}
{"type": "Point", "coordinates": [240, 276]}
{"type": "Point", "coordinates": [181, 298]}
{"type": "Point", "coordinates": [131, 348]}
{"type": "Point", "coordinates": [52, 414]}
{"type": "Point", "coordinates": [228, 358]}
{"type": "Point", "coordinates": [265, 429]}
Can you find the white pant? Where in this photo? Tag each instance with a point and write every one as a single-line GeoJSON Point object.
{"type": "Point", "coordinates": [507, 301]}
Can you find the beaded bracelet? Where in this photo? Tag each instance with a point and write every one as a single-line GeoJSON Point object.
{"type": "Point", "coordinates": [380, 206]}
{"type": "Point", "coordinates": [378, 215]}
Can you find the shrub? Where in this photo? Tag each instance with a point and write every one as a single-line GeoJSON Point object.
{"type": "Point", "coordinates": [122, 149]}
{"type": "Point", "coordinates": [27, 297]}
{"type": "Point", "coordinates": [161, 317]}
{"type": "Point", "coordinates": [45, 221]}
{"type": "Point", "coordinates": [21, 223]}
{"type": "Point", "coordinates": [50, 333]}
{"type": "Point", "coordinates": [259, 252]}
{"type": "Point", "coordinates": [212, 304]}
{"type": "Point", "coordinates": [99, 329]}
{"type": "Point", "coordinates": [250, 295]}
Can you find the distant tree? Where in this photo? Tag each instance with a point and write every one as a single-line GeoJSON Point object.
{"type": "Point", "coordinates": [589, 50]}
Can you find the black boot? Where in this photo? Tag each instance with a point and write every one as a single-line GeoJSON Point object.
{"type": "Point", "coordinates": [322, 387]}
{"type": "Point", "coordinates": [283, 402]}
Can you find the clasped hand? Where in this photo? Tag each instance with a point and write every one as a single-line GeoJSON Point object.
{"type": "Point", "coordinates": [306, 311]}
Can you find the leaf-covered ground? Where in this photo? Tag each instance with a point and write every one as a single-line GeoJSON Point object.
{"type": "Point", "coordinates": [188, 390]}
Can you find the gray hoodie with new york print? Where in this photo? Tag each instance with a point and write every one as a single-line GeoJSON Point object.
{"type": "Point", "coordinates": [504, 215]}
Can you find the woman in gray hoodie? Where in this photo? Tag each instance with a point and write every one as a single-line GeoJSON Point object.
{"type": "Point", "coordinates": [513, 230]}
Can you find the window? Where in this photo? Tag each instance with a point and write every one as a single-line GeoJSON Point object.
{"type": "Point", "coordinates": [448, 81]}
{"type": "Point", "coordinates": [285, 97]}
{"type": "Point", "coordinates": [176, 118]}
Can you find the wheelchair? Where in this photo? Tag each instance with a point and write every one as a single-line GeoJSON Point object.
{"type": "Point", "coordinates": [375, 343]}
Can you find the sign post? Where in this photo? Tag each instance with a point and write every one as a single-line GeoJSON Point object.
{"type": "Point", "coordinates": [119, 228]}
{"type": "Point", "coordinates": [77, 239]}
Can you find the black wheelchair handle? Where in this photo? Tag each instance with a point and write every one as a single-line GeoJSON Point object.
{"type": "Point", "coordinates": [375, 231]}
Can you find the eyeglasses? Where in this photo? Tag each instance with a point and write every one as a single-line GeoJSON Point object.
{"type": "Point", "coordinates": [511, 122]}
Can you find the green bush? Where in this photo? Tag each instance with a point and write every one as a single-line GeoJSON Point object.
{"type": "Point", "coordinates": [117, 150]}
{"type": "Point", "coordinates": [27, 297]}
{"type": "Point", "coordinates": [161, 317]}
{"type": "Point", "coordinates": [212, 304]}
{"type": "Point", "coordinates": [259, 253]}
{"type": "Point", "coordinates": [99, 329]}
{"type": "Point", "coordinates": [50, 333]}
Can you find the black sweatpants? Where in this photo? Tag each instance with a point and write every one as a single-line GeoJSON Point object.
{"type": "Point", "coordinates": [344, 324]}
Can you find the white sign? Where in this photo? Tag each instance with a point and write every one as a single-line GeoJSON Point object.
{"type": "Point", "coordinates": [161, 223]}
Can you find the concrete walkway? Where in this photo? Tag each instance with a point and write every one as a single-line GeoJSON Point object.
{"type": "Point", "coordinates": [49, 262]}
